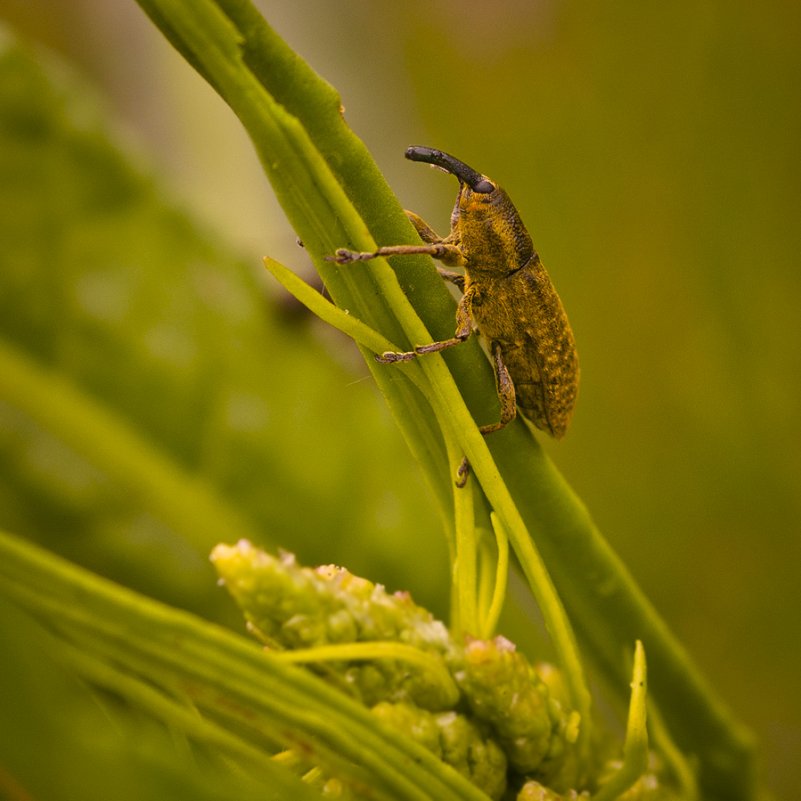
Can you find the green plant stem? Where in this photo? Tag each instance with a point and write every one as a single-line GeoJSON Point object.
{"type": "Point", "coordinates": [356, 651]}
{"type": "Point", "coordinates": [464, 616]}
{"type": "Point", "coordinates": [635, 748]}
{"type": "Point", "coordinates": [459, 424]}
{"type": "Point", "coordinates": [493, 613]}
{"type": "Point", "coordinates": [676, 763]}
{"type": "Point", "coordinates": [340, 319]}
{"type": "Point", "coordinates": [144, 696]}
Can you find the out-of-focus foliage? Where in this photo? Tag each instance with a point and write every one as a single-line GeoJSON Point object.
{"type": "Point", "coordinates": [58, 743]}
{"type": "Point", "coordinates": [653, 152]}
{"type": "Point", "coordinates": [156, 357]}
{"type": "Point", "coordinates": [221, 706]}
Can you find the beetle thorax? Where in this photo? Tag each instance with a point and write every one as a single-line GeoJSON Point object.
{"type": "Point", "coordinates": [490, 233]}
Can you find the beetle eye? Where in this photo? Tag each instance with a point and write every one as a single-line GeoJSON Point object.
{"type": "Point", "coordinates": [483, 187]}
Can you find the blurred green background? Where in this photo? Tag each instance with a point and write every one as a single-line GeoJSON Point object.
{"type": "Point", "coordinates": [653, 151]}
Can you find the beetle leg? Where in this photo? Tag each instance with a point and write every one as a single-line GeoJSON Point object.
{"type": "Point", "coordinates": [506, 395]}
{"type": "Point", "coordinates": [506, 392]}
{"type": "Point", "coordinates": [454, 278]}
{"type": "Point", "coordinates": [464, 327]}
{"type": "Point", "coordinates": [428, 234]}
{"type": "Point", "coordinates": [424, 230]}
{"type": "Point", "coordinates": [433, 347]}
{"type": "Point", "coordinates": [435, 246]}
{"type": "Point", "coordinates": [437, 250]}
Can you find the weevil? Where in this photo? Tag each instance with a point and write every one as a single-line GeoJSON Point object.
{"type": "Point", "coordinates": [507, 298]}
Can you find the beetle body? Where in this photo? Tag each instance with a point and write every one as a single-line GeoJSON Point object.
{"type": "Point", "coordinates": [507, 297]}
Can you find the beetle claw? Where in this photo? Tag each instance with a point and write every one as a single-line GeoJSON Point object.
{"type": "Point", "coordinates": [462, 473]}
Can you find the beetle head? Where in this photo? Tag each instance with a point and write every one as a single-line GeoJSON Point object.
{"type": "Point", "coordinates": [490, 232]}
